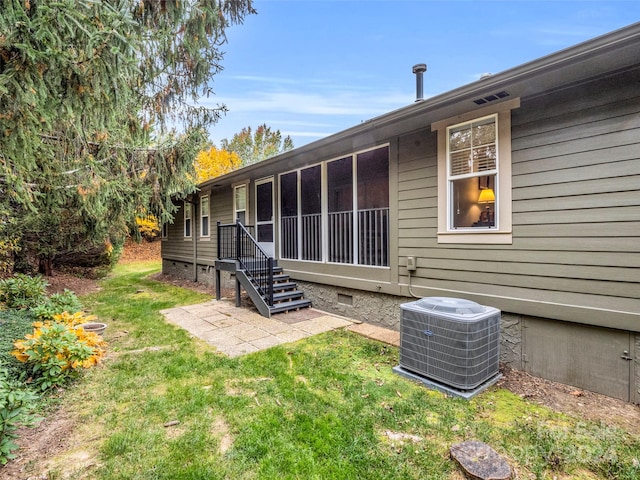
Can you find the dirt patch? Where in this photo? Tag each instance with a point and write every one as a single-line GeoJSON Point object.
{"type": "Point", "coordinates": [80, 281]}
{"type": "Point", "coordinates": [183, 283]}
{"type": "Point", "coordinates": [38, 445]}
{"type": "Point", "coordinates": [78, 285]}
{"type": "Point", "coordinates": [222, 430]}
{"type": "Point", "coordinates": [143, 251]}
{"type": "Point", "coordinates": [573, 401]}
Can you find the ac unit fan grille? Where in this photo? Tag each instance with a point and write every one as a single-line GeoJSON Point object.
{"type": "Point", "coordinates": [457, 352]}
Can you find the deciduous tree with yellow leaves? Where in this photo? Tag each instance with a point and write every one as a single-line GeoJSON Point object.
{"type": "Point", "coordinates": [215, 162]}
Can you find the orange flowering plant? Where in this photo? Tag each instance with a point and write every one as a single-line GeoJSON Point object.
{"type": "Point", "coordinates": [57, 351]}
{"type": "Point", "coordinates": [73, 319]}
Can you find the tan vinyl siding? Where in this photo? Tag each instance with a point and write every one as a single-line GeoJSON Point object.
{"type": "Point", "coordinates": [417, 193]}
{"type": "Point", "coordinates": [576, 212]}
{"type": "Point", "coordinates": [221, 207]}
{"type": "Point", "coordinates": [206, 245]}
{"type": "Point", "coordinates": [175, 247]}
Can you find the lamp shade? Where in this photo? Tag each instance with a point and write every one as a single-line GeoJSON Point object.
{"type": "Point", "coordinates": [487, 196]}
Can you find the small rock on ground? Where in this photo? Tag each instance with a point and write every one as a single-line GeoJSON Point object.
{"type": "Point", "coordinates": [480, 461]}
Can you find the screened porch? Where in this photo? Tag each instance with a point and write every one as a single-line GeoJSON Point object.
{"type": "Point", "coordinates": [337, 211]}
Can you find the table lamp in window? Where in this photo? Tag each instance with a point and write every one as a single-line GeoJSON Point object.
{"type": "Point", "coordinates": [487, 197]}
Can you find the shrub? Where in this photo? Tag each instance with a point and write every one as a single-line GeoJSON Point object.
{"type": "Point", "coordinates": [14, 324]}
{"type": "Point", "coordinates": [22, 291]}
{"type": "Point", "coordinates": [56, 352]}
{"type": "Point", "coordinates": [15, 406]}
{"type": "Point", "coordinates": [66, 301]}
{"type": "Point", "coordinates": [148, 227]}
{"type": "Point", "coordinates": [73, 319]}
{"type": "Point", "coordinates": [57, 304]}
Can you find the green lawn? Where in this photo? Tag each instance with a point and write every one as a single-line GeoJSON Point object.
{"type": "Point", "coordinates": [327, 407]}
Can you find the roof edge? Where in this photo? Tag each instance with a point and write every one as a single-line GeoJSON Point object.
{"type": "Point", "coordinates": [561, 58]}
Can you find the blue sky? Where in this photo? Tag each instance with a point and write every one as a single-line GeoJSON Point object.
{"type": "Point", "coordinates": [311, 68]}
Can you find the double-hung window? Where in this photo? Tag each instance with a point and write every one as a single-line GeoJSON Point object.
{"type": "Point", "coordinates": [187, 219]}
{"type": "Point", "coordinates": [204, 216]}
{"type": "Point", "coordinates": [474, 176]}
{"type": "Point", "coordinates": [472, 171]}
{"type": "Point", "coordinates": [240, 203]}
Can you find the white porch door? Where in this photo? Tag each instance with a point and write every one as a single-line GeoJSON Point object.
{"type": "Point", "coordinates": [264, 215]}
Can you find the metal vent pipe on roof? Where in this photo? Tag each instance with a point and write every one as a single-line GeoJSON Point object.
{"type": "Point", "coordinates": [419, 69]}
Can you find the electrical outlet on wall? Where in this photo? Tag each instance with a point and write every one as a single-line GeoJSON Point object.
{"type": "Point", "coordinates": [411, 264]}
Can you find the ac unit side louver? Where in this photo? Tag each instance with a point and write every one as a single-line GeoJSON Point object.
{"type": "Point", "coordinates": [449, 340]}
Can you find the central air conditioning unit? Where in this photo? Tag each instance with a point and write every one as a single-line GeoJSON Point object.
{"type": "Point", "coordinates": [450, 342]}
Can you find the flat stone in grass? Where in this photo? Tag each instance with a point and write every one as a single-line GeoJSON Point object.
{"type": "Point", "coordinates": [480, 461]}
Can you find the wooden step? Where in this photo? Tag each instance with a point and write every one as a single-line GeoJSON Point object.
{"type": "Point", "coordinates": [284, 286]}
{"type": "Point", "coordinates": [282, 278]}
{"type": "Point", "coordinates": [279, 277]}
{"type": "Point", "coordinates": [291, 305]}
{"type": "Point", "coordinates": [289, 295]}
{"type": "Point", "coordinates": [286, 295]}
{"type": "Point", "coordinates": [265, 272]}
{"type": "Point", "coordinates": [280, 286]}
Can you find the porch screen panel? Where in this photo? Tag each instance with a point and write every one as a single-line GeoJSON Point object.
{"type": "Point", "coordinates": [264, 211]}
{"type": "Point", "coordinates": [373, 207]}
{"type": "Point", "coordinates": [289, 215]}
{"type": "Point", "coordinates": [340, 204]}
{"type": "Point", "coordinates": [311, 213]}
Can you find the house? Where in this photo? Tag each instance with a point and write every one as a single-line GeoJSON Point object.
{"type": "Point", "coordinates": [519, 191]}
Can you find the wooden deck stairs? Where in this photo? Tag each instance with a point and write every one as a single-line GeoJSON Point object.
{"type": "Point", "coordinates": [270, 289]}
{"type": "Point", "coordinates": [287, 296]}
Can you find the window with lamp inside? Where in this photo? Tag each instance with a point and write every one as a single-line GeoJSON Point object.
{"type": "Point", "coordinates": [472, 174]}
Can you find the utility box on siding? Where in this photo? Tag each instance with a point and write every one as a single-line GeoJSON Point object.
{"type": "Point", "coordinates": [452, 341]}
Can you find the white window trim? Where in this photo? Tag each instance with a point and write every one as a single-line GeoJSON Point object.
{"type": "Point", "coordinates": [188, 206]}
{"type": "Point", "coordinates": [503, 234]}
{"type": "Point", "coordinates": [451, 178]}
{"type": "Point", "coordinates": [164, 231]}
{"type": "Point", "coordinates": [202, 217]}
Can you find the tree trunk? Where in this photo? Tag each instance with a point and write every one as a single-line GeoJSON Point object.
{"type": "Point", "coordinates": [45, 265]}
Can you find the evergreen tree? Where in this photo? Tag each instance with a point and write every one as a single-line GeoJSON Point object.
{"type": "Point", "coordinates": [97, 115]}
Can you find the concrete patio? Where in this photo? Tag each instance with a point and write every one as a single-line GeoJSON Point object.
{"type": "Point", "coordinates": [236, 331]}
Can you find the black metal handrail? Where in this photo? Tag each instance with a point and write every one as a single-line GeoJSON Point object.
{"type": "Point", "coordinates": [236, 242]}
{"type": "Point", "coordinates": [227, 234]}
